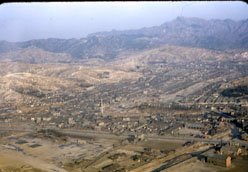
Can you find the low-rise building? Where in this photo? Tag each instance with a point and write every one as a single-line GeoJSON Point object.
{"type": "Point", "coordinates": [219, 160]}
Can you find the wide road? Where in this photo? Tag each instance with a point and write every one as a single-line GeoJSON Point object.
{"type": "Point", "coordinates": [107, 135]}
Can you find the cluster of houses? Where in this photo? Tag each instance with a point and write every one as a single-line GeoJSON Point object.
{"type": "Point", "coordinates": [159, 124]}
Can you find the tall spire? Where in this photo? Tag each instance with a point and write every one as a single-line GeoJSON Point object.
{"type": "Point", "coordinates": [102, 106]}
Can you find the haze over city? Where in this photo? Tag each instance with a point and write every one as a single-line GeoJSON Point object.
{"type": "Point", "coordinates": [141, 87]}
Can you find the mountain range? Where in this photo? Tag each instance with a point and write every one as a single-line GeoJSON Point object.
{"type": "Point", "coordinates": [190, 32]}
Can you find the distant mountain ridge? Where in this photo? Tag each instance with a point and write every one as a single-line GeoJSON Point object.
{"type": "Point", "coordinates": [193, 32]}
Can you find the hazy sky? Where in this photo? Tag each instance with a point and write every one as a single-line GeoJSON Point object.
{"type": "Point", "coordinates": [25, 21]}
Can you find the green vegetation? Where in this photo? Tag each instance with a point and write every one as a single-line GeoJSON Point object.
{"type": "Point", "coordinates": [235, 92]}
